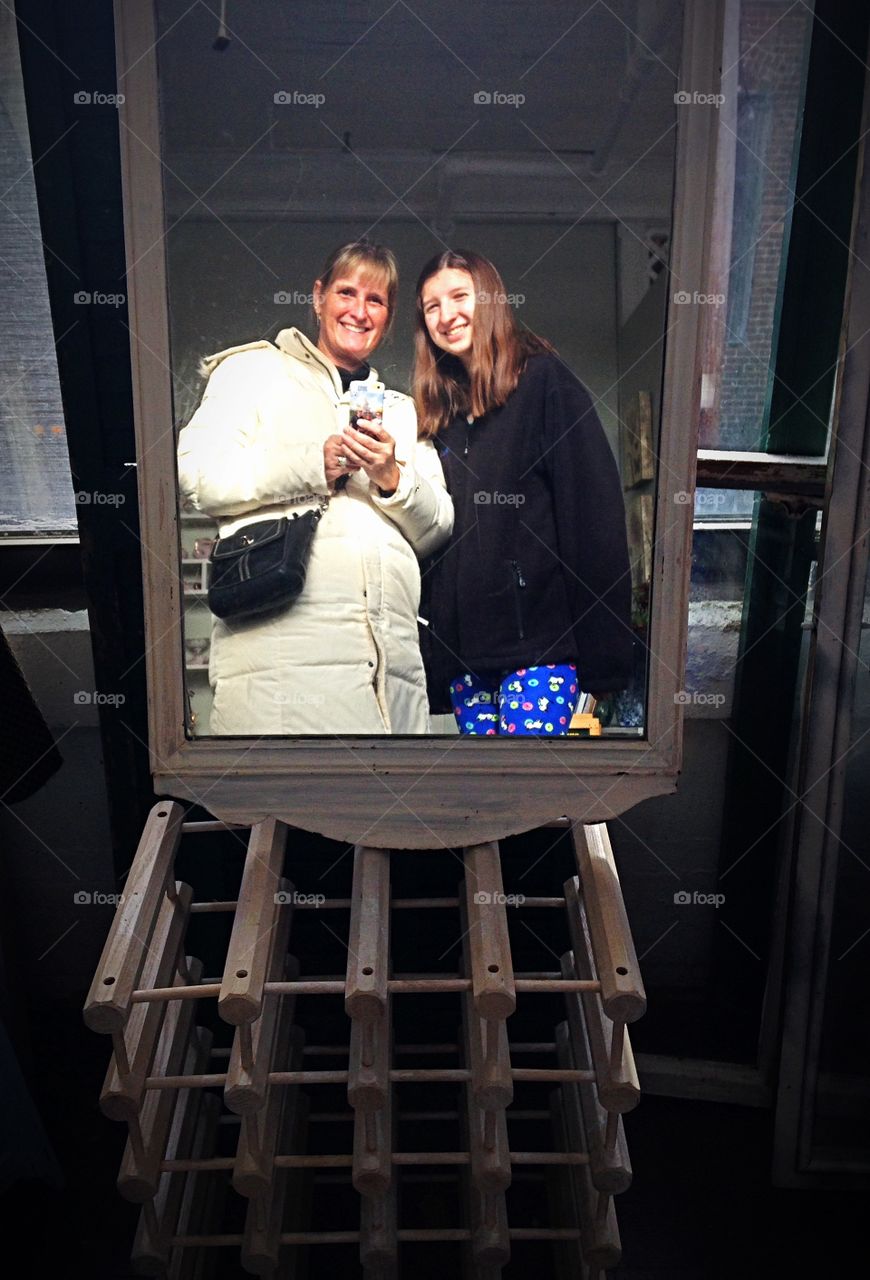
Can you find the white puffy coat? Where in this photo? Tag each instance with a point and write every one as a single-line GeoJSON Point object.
{"type": "Point", "coordinates": [344, 657]}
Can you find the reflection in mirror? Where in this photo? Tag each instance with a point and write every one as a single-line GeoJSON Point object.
{"type": "Point", "coordinates": [553, 159]}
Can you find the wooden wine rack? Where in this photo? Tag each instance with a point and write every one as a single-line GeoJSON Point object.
{"type": "Point", "coordinates": [177, 1092]}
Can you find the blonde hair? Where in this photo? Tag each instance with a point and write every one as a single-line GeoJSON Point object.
{"type": "Point", "coordinates": [368, 256]}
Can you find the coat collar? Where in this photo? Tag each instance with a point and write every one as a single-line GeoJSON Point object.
{"type": "Point", "coordinates": [294, 343]}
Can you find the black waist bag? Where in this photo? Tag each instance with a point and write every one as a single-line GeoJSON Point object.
{"type": "Point", "coordinates": [261, 567]}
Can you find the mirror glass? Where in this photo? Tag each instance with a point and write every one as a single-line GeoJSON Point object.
{"type": "Point", "coordinates": [290, 130]}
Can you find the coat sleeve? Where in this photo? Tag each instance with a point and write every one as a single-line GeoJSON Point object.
{"type": "Point", "coordinates": [421, 506]}
{"type": "Point", "coordinates": [590, 526]}
{"type": "Point", "coordinates": [234, 455]}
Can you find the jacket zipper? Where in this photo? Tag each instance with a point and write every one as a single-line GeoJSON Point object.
{"type": "Point", "coordinates": [519, 583]}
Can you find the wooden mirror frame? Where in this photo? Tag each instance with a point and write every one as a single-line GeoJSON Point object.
{"type": "Point", "coordinates": [403, 792]}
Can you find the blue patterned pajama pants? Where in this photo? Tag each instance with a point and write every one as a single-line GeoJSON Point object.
{"type": "Point", "coordinates": [531, 702]}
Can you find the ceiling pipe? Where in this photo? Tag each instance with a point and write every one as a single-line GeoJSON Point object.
{"type": "Point", "coordinates": [638, 64]}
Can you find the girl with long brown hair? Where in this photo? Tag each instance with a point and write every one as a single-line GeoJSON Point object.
{"type": "Point", "coordinates": [530, 599]}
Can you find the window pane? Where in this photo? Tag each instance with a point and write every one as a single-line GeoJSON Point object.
{"type": "Point", "coordinates": [763, 141]}
{"type": "Point", "coordinates": [34, 464]}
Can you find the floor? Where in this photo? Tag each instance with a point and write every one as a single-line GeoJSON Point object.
{"type": "Point", "coordinates": [701, 1206]}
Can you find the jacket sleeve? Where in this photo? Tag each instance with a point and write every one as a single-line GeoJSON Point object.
{"type": "Point", "coordinates": [234, 455]}
{"type": "Point", "coordinates": [590, 526]}
{"type": "Point", "coordinates": [421, 506]}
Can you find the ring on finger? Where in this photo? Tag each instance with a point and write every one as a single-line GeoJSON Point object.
{"type": "Point", "coordinates": [341, 460]}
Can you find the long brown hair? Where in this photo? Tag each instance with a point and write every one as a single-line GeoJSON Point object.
{"type": "Point", "coordinates": [443, 387]}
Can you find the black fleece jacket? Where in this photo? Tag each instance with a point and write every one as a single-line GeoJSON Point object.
{"type": "Point", "coordinates": [537, 567]}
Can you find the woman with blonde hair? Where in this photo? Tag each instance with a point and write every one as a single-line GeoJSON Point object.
{"type": "Point", "coordinates": [530, 599]}
{"type": "Point", "coordinates": [273, 438]}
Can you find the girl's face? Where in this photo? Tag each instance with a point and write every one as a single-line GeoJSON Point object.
{"type": "Point", "coordinates": [447, 301]}
{"type": "Point", "coordinates": [353, 315]}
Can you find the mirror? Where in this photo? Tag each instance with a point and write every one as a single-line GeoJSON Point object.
{"type": "Point", "coordinates": [227, 224]}
{"type": "Point", "coordinates": [288, 132]}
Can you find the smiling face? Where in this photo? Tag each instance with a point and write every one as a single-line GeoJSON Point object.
{"type": "Point", "coordinates": [447, 303]}
{"type": "Point", "coordinates": [353, 314]}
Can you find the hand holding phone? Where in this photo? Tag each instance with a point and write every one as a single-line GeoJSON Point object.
{"type": "Point", "coordinates": [366, 406]}
{"type": "Point", "coordinates": [378, 460]}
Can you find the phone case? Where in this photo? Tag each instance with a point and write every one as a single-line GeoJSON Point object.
{"type": "Point", "coordinates": [366, 405]}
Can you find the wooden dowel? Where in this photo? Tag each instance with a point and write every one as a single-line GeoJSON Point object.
{"type": "Point", "coordinates": [120, 1065]}
{"type": "Point", "coordinates": [398, 1075]}
{"type": "Point", "coordinates": [369, 935]}
{"type": "Point", "coordinates": [215, 1164]}
{"type": "Point", "coordinates": [558, 985]}
{"type": "Point", "coordinates": [264, 1219]}
{"type": "Point", "coordinates": [486, 1097]}
{"type": "Point", "coordinates": [600, 1242]}
{"type": "Point", "coordinates": [378, 1222]}
{"type": "Point", "coordinates": [150, 1253]}
{"type": "Point", "coordinates": [591, 1124]}
{"type": "Point", "coordinates": [488, 942]}
{"type": "Point", "coordinates": [372, 1152]}
{"type": "Point", "coordinates": [397, 904]}
{"type": "Point", "coordinates": [603, 1131]}
{"type": "Point", "coordinates": [547, 1047]}
{"type": "Point", "coordinates": [335, 987]}
{"type": "Point", "coordinates": [258, 1140]}
{"type": "Point", "coordinates": [622, 991]}
{"type": "Point", "coordinates": [616, 1091]}
{"type": "Point", "coordinates": [109, 998]}
{"type": "Point", "coordinates": [245, 1088]}
{"type": "Point", "coordinates": [140, 1166]}
{"type": "Point", "coordinates": [368, 1083]}
{"type": "Point", "coordinates": [410, 1236]}
{"type": "Point", "coordinates": [213, 824]}
{"type": "Point", "coordinates": [490, 1242]}
{"type": "Point", "coordinates": [190, 991]}
{"type": "Point", "coordinates": [545, 1074]}
{"type": "Point", "coordinates": [486, 1053]}
{"type": "Point", "coordinates": [245, 971]}
{"type": "Point", "coordinates": [202, 1196]}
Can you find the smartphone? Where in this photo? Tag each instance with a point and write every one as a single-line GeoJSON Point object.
{"type": "Point", "coordinates": [366, 405]}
